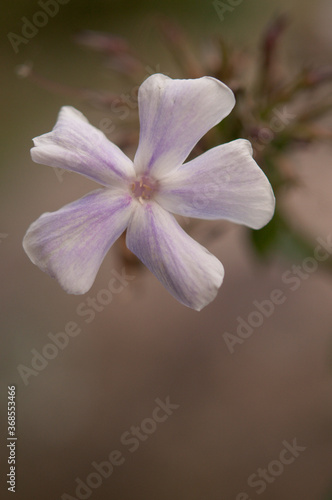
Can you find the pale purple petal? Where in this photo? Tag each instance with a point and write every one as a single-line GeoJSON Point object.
{"type": "Point", "coordinates": [223, 183]}
{"type": "Point", "coordinates": [70, 244]}
{"type": "Point", "coordinates": [174, 115]}
{"type": "Point", "coordinates": [76, 145]}
{"type": "Point", "coordinates": [186, 269]}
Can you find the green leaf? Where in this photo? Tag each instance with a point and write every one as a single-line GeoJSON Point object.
{"type": "Point", "coordinates": [278, 237]}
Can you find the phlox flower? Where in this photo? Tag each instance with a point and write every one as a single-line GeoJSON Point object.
{"type": "Point", "coordinates": [142, 195]}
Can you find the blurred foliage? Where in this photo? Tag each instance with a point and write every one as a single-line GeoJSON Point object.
{"type": "Point", "coordinates": [279, 236]}
{"type": "Point", "coordinates": [329, 497]}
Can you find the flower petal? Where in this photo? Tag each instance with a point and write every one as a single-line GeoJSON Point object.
{"type": "Point", "coordinates": [76, 145]}
{"type": "Point", "coordinates": [174, 115]}
{"type": "Point", "coordinates": [70, 244]}
{"type": "Point", "coordinates": [223, 183]}
{"type": "Point", "coordinates": [186, 269]}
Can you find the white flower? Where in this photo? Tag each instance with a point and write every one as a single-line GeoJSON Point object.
{"type": "Point", "coordinates": [140, 196]}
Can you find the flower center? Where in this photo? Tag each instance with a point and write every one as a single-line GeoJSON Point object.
{"type": "Point", "coordinates": [143, 188]}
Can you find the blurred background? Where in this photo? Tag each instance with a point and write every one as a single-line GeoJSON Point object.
{"type": "Point", "coordinates": [237, 407]}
